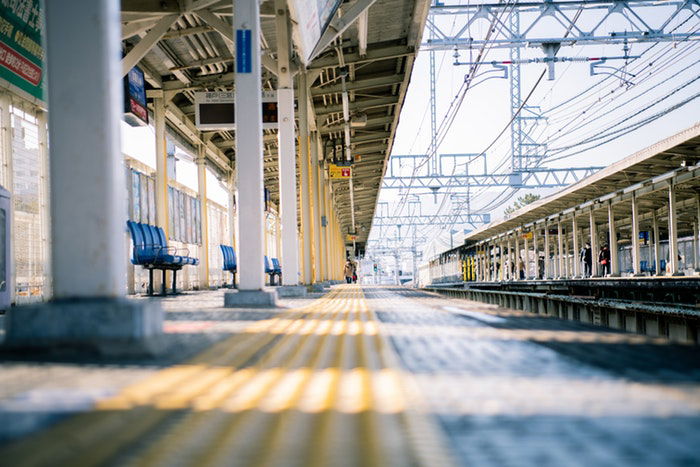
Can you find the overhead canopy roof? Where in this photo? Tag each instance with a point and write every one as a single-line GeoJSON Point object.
{"type": "Point", "coordinates": [185, 46]}
{"type": "Point", "coordinates": [682, 149]}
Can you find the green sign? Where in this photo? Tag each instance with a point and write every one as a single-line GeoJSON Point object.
{"type": "Point", "coordinates": [21, 53]}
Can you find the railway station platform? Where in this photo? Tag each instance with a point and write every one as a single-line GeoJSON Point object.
{"type": "Point", "coordinates": [360, 375]}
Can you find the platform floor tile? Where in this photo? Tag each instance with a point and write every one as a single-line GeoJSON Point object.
{"type": "Point", "coordinates": [312, 386]}
{"type": "Point", "coordinates": [513, 388]}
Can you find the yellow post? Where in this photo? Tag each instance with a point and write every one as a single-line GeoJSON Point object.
{"type": "Point", "coordinates": [204, 219]}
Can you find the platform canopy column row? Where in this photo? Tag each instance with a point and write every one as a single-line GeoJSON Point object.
{"type": "Point", "coordinates": [621, 233]}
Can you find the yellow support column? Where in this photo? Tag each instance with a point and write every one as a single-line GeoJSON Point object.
{"type": "Point", "coordinates": [202, 191]}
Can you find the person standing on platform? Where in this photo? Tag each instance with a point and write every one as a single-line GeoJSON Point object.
{"type": "Point", "coordinates": [521, 269]}
{"type": "Point", "coordinates": [586, 257]}
{"type": "Point", "coordinates": [604, 259]}
{"type": "Point", "coordinates": [349, 271]}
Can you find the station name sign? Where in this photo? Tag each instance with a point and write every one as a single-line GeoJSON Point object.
{"type": "Point", "coordinates": [216, 110]}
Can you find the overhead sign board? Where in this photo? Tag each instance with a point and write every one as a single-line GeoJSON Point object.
{"type": "Point", "coordinates": [21, 53]}
{"type": "Point", "coordinates": [312, 18]}
{"type": "Point", "coordinates": [338, 172]}
{"type": "Point", "coordinates": [135, 111]}
{"type": "Point", "coordinates": [350, 238]}
{"type": "Point", "coordinates": [216, 110]}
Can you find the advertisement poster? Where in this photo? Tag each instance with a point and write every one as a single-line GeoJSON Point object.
{"type": "Point", "coordinates": [21, 52]}
{"type": "Point", "coordinates": [312, 18]}
{"type": "Point", "coordinates": [339, 172]}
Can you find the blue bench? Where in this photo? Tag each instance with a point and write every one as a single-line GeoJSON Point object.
{"type": "Point", "coordinates": [230, 262]}
{"type": "Point", "coordinates": [276, 268]}
{"type": "Point", "coordinates": [151, 251]}
{"type": "Point", "coordinates": [273, 270]}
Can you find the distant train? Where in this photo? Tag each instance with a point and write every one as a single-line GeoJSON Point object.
{"type": "Point", "coordinates": [459, 265]}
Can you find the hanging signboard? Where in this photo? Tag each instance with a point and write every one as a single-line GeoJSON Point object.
{"type": "Point", "coordinates": [311, 19]}
{"type": "Point", "coordinates": [350, 238]}
{"type": "Point", "coordinates": [21, 53]}
{"type": "Point", "coordinates": [337, 172]}
{"type": "Point", "coordinates": [216, 110]}
{"type": "Point", "coordinates": [135, 111]}
{"type": "Point", "coordinates": [526, 235]}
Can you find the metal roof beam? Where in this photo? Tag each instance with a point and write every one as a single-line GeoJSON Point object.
{"type": "Point", "coordinates": [226, 30]}
{"type": "Point", "coordinates": [338, 25]}
{"type": "Point", "coordinates": [147, 43]}
{"type": "Point", "coordinates": [360, 104]}
{"type": "Point", "coordinates": [359, 84]}
{"type": "Point", "coordinates": [373, 54]}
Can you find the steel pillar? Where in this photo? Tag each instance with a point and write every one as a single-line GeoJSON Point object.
{"type": "Point", "coordinates": [577, 258]}
{"type": "Point", "coordinates": [657, 243]}
{"type": "Point", "coordinates": [202, 193]}
{"type": "Point", "coordinates": [88, 310]}
{"type": "Point", "coordinates": [289, 254]}
{"type": "Point", "coordinates": [636, 260]}
{"type": "Point", "coordinates": [612, 243]}
{"type": "Point", "coordinates": [305, 182]}
{"type": "Point", "coordinates": [316, 201]}
{"type": "Point", "coordinates": [672, 232]}
{"type": "Point", "coordinates": [594, 244]}
{"type": "Point", "coordinates": [249, 169]}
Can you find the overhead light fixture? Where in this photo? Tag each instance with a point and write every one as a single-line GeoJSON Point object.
{"type": "Point", "coordinates": [358, 120]}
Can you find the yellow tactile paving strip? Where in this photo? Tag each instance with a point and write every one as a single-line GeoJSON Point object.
{"type": "Point", "coordinates": [314, 386]}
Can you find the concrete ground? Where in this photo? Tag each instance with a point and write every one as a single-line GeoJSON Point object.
{"type": "Point", "coordinates": [412, 378]}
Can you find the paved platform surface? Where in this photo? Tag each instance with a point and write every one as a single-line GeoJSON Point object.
{"type": "Point", "coordinates": [362, 376]}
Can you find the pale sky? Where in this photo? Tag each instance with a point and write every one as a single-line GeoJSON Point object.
{"type": "Point", "coordinates": [660, 71]}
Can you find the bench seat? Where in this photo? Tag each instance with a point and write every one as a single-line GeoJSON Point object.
{"type": "Point", "coordinates": [230, 263]}
{"type": "Point", "coordinates": [151, 251]}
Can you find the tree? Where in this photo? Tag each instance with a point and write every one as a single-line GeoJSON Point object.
{"type": "Point", "coordinates": [524, 200]}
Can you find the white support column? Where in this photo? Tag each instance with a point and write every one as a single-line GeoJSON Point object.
{"type": "Point", "coordinates": [249, 164]}
{"type": "Point", "coordinates": [5, 104]}
{"type": "Point", "coordinates": [612, 242]}
{"type": "Point", "coordinates": [561, 272]}
{"type": "Point", "coordinates": [547, 265]}
{"type": "Point", "coordinates": [535, 252]}
{"type": "Point", "coordinates": [526, 257]}
{"type": "Point", "coordinates": [567, 262]}
{"type": "Point", "coordinates": [316, 186]}
{"type": "Point", "coordinates": [232, 208]}
{"type": "Point", "coordinates": [509, 260]}
{"type": "Point", "coordinates": [45, 205]}
{"type": "Point", "coordinates": [696, 233]}
{"type": "Point", "coordinates": [328, 249]}
{"type": "Point", "coordinates": [202, 193]}
{"type": "Point", "coordinates": [304, 186]}
{"type": "Point", "coordinates": [594, 244]}
{"type": "Point", "coordinates": [672, 232]}
{"type": "Point", "coordinates": [8, 177]}
{"type": "Point", "coordinates": [87, 191]}
{"type": "Point", "coordinates": [322, 233]}
{"type": "Point", "coordinates": [161, 165]}
{"type": "Point", "coordinates": [491, 262]}
{"type": "Point", "coordinates": [576, 257]}
{"type": "Point", "coordinates": [636, 259]}
{"type": "Point", "coordinates": [657, 243]}
{"type": "Point", "coordinates": [502, 260]}
{"type": "Point", "coordinates": [289, 256]}
{"type": "Point", "coordinates": [516, 259]}
{"type": "Point", "coordinates": [88, 310]}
